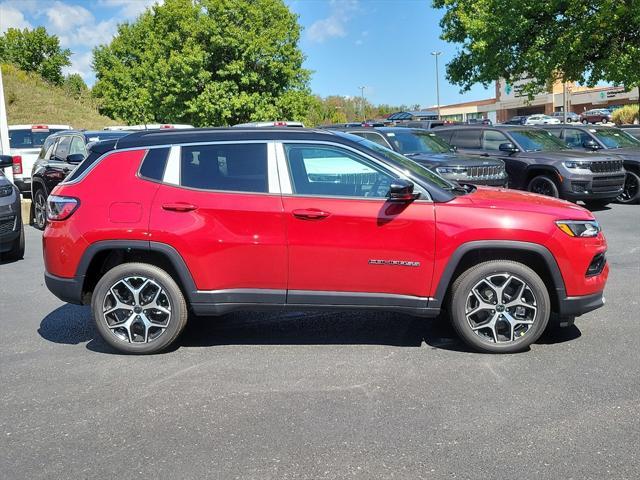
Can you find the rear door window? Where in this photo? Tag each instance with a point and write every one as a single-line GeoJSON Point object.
{"type": "Point", "coordinates": [467, 138]}
{"type": "Point", "coordinates": [225, 167]}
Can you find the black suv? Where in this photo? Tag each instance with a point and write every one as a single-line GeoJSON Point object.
{"type": "Point", "coordinates": [541, 163]}
{"type": "Point", "coordinates": [426, 148]}
{"type": "Point", "coordinates": [614, 140]}
{"type": "Point", "coordinates": [60, 154]}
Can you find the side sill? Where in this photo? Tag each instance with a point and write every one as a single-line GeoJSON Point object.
{"type": "Point", "coordinates": [214, 309]}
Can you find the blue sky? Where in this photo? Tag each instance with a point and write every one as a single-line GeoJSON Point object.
{"type": "Point", "coordinates": [383, 45]}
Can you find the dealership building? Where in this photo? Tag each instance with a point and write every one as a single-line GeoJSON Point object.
{"type": "Point", "coordinates": [511, 101]}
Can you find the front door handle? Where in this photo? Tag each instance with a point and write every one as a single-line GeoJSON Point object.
{"type": "Point", "coordinates": [484, 154]}
{"type": "Point", "coordinates": [179, 207]}
{"type": "Point", "coordinates": [310, 214]}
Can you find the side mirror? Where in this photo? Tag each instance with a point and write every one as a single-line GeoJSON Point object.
{"type": "Point", "coordinates": [591, 145]}
{"type": "Point", "coordinates": [74, 158]}
{"type": "Point", "coordinates": [401, 190]}
{"type": "Point", "coordinates": [508, 147]}
{"type": "Point", "coordinates": [6, 161]}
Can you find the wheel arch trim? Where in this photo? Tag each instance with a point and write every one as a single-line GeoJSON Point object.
{"type": "Point", "coordinates": [516, 246]}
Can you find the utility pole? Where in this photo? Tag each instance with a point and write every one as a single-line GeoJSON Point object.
{"type": "Point", "coordinates": [564, 101]}
{"type": "Point", "coordinates": [437, 54]}
{"type": "Point", "coordinates": [364, 118]}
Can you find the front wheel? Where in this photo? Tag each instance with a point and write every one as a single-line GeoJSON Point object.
{"type": "Point", "coordinates": [138, 308]}
{"type": "Point", "coordinates": [544, 185]}
{"type": "Point", "coordinates": [500, 306]}
{"type": "Point", "coordinates": [631, 190]}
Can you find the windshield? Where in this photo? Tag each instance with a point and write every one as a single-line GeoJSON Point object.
{"type": "Point", "coordinates": [409, 166]}
{"type": "Point", "coordinates": [615, 138]}
{"type": "Point", "coordinates": [537, 141]}
{"type": "Point", "coordinates": [28, 139]}
{"type": "Point", "coordinates": [416, 142]}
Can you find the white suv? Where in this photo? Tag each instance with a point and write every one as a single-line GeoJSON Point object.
{"type": "Point", "coordinates": [541, 120]}
{"type": "Point", "coordinates": [25, 142]}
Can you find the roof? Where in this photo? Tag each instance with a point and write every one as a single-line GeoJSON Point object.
{"type": "Point", "coordinates": [199, 135]}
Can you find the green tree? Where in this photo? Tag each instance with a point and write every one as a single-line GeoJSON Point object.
{"type": "Point", "coordinates": [205, 62]}
{"type": "Point", "coordinates": [585, 41]}
{"type": "Point", "coordinates": [35, 51]}
{"type": "Point", "coordinates": [74, 85]}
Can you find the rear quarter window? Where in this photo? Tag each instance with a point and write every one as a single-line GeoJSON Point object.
{"type": "Point", "coordinates": [154, 164]}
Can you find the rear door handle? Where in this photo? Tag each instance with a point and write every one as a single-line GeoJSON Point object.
{"type": "Point", "coordinates": [484, 154]}
{"type": "Point", "coordinates": [310, 214]}
{"type": "Point", "coordinates": [179, 207]}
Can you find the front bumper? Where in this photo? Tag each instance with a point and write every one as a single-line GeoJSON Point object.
{"type": "Point", "coordinates": [576, 306]}
{"type": "Point", "coordinates": [9, 231]}
{"type": "Point", "coordinates": [66, 289]}
{"type": "Point", "coordinates": [592, 187]}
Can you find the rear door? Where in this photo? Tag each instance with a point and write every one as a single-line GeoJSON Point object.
{"type": "Point", "coordinates": [220, 207]}
{"type": "Point", "coordinates": [349, 245]}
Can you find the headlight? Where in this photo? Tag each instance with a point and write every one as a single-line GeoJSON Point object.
{"type": "Point", "coordinates": [573, 164]}
{"type": "Point", "coordinates": [6, 190]}
{"type": "Point", "coordinates": [451, 170]}
{"type": "Point", "coordinates": [579, 228]}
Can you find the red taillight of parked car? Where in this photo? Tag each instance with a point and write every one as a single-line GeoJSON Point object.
{"type": "Point", "coordinates": [17, 165]}
{"type": "Point", "coordinates": [61, 208]}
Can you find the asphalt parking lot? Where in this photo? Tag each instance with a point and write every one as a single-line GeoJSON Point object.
{"type": "Point", "coordinates": [309, 395]}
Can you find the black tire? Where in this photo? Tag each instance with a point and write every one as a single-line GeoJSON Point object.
{"type": "Point", "coordinates": [171, 292]}
{"type": "Point", "coordinates": [596, 204]}
{"type": "Point", "coordinates": [631, 191]}
{"type": "Point", "coordinates": [40, 209]}
{"type": "Point", "coordinates": [461, 290]}
{"type": "Point", "coordinates": [585, 122]}
{"type": "Point", "coordinates": [17, 249]}
{"type": "Point", "coordinates": [544, 185]}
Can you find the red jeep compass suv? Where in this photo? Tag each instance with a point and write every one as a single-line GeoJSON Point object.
{"type": "Point", "coordinates": [160, 223]}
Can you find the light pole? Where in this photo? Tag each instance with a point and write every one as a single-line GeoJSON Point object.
{"type": "Point", "coordinates": [437, 54]}
{"type": "Point", "coordinates": [364, 119]}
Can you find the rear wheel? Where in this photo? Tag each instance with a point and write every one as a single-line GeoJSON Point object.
{"type": "Point", "coordinates": [544, 185]}
{"type": "Point", "coordinates": [138, 308]}
{"type": "Point", "coordinates": [631, 190]}
{"type": "Point", "coordinates": [39, 209]}
{"type": "Point", "coordinates": [500, 306]}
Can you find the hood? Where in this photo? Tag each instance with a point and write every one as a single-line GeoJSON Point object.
{"type": "Point", "coordinates": [516, 200]}
{"type": "Point", "coordinates": [626, 153]}
{"type": "Point", "coordinates": [572, 155]}
{"type": "Point", "coordinates": [455, 159]}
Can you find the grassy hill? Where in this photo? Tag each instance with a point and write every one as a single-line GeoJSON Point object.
{"type": "Point", "coordinates": [31, 100]}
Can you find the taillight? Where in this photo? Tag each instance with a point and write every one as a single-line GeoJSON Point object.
{"type": "Point", "coordinates": [61, 208]}
{"type": "Point", "coordinates": [17, 165]}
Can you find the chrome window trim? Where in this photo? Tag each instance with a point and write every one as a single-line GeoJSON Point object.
{"type": "Point", "coordinates": [387, 168]}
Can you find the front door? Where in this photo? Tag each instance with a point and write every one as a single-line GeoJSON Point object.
{"type": "Point", "coordinates": [348, 244]}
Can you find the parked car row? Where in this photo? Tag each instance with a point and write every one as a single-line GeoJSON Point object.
{"type": "Point", "coordinates": [596, 115]}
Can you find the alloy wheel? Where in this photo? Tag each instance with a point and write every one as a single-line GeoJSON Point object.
{"type": "Point", "coordinates": [136, 310]}
{"type": "Point", "coordinates": [40, 210]}
{"type": "Point", "coordinates": [501, 308]}
{"type": "Point", "coordinates": [543, 186]}
{"type": "Point", "coordinates": [630, 189]}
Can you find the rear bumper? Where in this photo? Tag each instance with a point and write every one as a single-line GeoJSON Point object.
{"type": "Point", "coordinates": [66, 289]}
{"type": "Point", "coordinates": [576, 306]}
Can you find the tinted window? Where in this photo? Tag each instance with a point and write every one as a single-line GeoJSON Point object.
{"type": "Point", "coordinates": [537, 140]}
{"type": "Point", "coordinates": [77, 146]}
{"type": "Point", "coordinates": [62, 149]}
{"type": "Point", "coordinates": [47, 148]}
{"type": "Point", "coordinates": [491, 140]}
{"type": "Point", "coordinates": [410, 142]}
{"type": "Point", "coordinates": [575, 138]}
{"type": "Point", "coordinates": [467, 138]}
{"type": "Point", "coordinates": [232, 167]}
{"type": "Point", "coordinates": [615, 138]}
{"type": "Point", "coordinates": [28, 139]}
{"type": "Point", "coordinates": [374, 137]}
{"type": "Point", "coordinates": [331, 171]}
{"type": "Point", "coordinates": [154, 163]}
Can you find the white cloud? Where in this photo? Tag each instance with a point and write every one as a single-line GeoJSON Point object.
{"type": "Point", "coordinates": [12, 17]}
{"type": "Point", "coordinates": [130, 9]}
{"type": "Point", "coordinates": [81, 64]}
{"type": "Point", "coordinates": [64, 18]}
{"type": "Point", "coordinates": [335, 25]}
